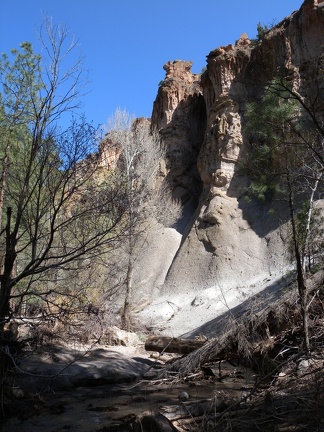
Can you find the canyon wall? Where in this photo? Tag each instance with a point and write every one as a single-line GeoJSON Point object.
{"type": "Point", "coordinates": [230, 243]}
{"type": "Point", "coordinates": [179, 113]}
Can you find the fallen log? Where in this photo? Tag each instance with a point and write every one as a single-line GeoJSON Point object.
{"type": "Point", "coordinates": [245, 327]}
{"type": "Point", "coordinates": [172, 345]}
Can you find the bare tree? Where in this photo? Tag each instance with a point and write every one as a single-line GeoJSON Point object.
{"type": "Point", "coordinates": [148, 199]}
{"type": "Point", "coordinates": [57, 214]}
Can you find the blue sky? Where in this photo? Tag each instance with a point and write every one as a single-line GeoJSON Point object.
{"type": "Point", "coordinates": [125, 43]}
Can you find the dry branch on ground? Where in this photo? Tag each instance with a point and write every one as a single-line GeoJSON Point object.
{"type": "Point", "coordinates": [257, 335]}
{"type": "Point", "coordinates": [289, 392]}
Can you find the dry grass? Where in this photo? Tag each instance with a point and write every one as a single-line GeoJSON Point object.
{"type": "Point", "coordinates": [293, 403]}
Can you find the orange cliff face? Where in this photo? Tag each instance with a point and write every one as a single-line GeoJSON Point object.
{"type": "Point", "coordinates": [179, 85]}
{"type": "Point", "coordinates": [200, 116]}
{"type": "Point", "coordinates": [179, 115]}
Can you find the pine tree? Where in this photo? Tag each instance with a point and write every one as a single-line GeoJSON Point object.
{"type": "Point", "coordinates": [281, 165]}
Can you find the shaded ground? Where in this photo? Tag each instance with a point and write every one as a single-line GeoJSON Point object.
{"type": "Point", "coordinates": [107, 389]}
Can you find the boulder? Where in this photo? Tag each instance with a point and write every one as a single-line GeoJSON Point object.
{"type": "Point", "coordinates": [116, 336]}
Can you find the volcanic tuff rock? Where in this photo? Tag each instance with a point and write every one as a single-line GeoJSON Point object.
{"type": "Point", "coordinates": [229, 242]}
{"type": "Point", "coordinates": [179, 114]}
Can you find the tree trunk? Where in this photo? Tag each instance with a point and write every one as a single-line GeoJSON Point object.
{"type": "Point", "coordinates": [172, 345]}
{"type": "Point", "coordinates": [302, 289]}
{"type": "Point", "coordinates": [306, 250]}
{"type": "Point", "coordinates": [6, 276]}
{"type": "Point", "coordinates": [5, 292]}
{"type": "Point", "coordinates": [125, 318]}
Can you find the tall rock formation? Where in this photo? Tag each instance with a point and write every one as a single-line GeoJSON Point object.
{"type": "Point", "coordinates": [231, 243]}
{"type": "Point", "coordinates": [179, 114]}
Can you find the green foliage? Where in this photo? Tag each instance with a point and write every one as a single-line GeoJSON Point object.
{"type": "Point", "coordinates": [24, 68]}
{"type": "Point", "coordinates": [20, 98]}
{"type": "Point", "coordinates": [282, 164]}
{"type": "Point", "coordinates": [269, 123]}
{"type": "Point", "coordinates": [261, 30]}
{"type": "Point", "coordinates": [56, 216]}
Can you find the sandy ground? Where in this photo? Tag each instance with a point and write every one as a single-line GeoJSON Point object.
{"type": "Point", "coordinates": [189, 315]}
{"type": "Point", "coordinates": [106, 391]}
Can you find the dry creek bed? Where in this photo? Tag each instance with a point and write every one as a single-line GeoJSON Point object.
{"type": "Point", "coordinates": [107, 389]}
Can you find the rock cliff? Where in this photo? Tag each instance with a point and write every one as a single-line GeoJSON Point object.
{"type": "Point", "coordinates": [230, 244]}
{"type": "Point", "coordinates": [179, 114]}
